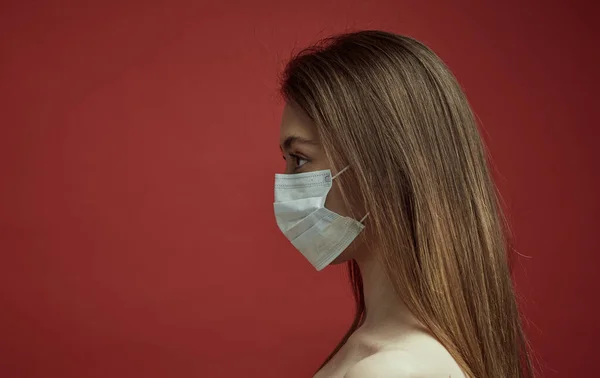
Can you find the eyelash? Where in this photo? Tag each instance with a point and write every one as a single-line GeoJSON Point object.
{"type": "Point", "coordinates": [296, 158]}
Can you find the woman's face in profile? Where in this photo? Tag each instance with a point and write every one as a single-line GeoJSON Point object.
{"type": "Point", "coordinates": [303, 152]}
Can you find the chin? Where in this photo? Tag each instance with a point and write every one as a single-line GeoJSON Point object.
{"type": "Point", "coordinates": [355, 248]}
{"type": "Point", "coordinates": [344, 257]}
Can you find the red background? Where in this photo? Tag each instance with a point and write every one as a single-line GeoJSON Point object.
{"type": "Point", "coordinates": [138, 146]}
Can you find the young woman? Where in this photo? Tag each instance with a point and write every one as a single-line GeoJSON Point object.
{"type": "Point", "coordinates": [386, 171]}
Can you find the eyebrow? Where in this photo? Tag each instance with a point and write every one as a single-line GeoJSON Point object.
{"type": "Point", "coordinates": [287, 143]}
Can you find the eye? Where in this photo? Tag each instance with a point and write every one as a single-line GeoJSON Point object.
{"type": "Point", "coordinates": [299, 161]}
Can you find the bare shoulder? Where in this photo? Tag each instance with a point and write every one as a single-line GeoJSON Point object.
{"type": "Point", "coordinates": [384, 364]}
{"type": "Point", "coordinates": [399, 364]}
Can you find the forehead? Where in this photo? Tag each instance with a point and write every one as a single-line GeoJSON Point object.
{"type": "Point", "coordinates": [294, 122]}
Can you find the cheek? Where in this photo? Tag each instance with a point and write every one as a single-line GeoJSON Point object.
{"type": "Point", "coordinates": [335, 202]}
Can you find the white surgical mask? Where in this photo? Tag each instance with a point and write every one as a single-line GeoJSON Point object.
{"type": "Point", "coordinates": [318, 233]}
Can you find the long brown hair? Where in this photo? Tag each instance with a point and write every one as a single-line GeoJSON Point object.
{"type": "Point", "coordinates": [387, 106]}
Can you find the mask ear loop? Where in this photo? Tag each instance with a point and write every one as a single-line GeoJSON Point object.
{"type": "Point", "coordinates": [340, 172]}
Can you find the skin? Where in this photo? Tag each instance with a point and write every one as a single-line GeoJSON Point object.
{"type": "Point", "coordinates": [391, 342]}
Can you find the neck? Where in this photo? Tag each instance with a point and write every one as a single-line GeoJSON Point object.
{"type": "Point", "coordinates": [383, 305]}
